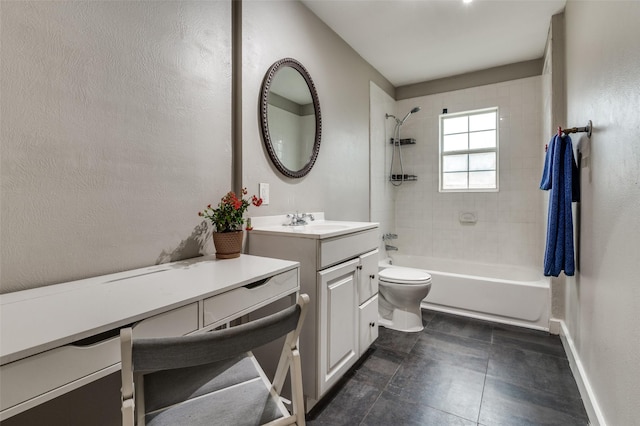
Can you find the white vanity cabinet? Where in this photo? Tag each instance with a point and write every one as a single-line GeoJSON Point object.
{"type": "Point", "coordinates": [338, 347]}
{"type": "Point", "coordinates": [338, 270]}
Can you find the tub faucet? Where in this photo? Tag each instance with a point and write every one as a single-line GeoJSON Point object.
{"type": "Point", "coordinates": [389, 236]}
{"type": "Point", "coordinates": [387, 247]}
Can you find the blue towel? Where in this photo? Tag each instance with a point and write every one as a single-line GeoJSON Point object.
{"type": "Point", "coordinates": [560, 175]}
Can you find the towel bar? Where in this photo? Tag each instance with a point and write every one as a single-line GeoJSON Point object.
{"type": "Point", "coordinates": [586, 129]}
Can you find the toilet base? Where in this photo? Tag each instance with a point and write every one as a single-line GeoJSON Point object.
{"type": "Point", "coordinates": [403, 320]}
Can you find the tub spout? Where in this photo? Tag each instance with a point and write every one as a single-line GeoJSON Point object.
{"type": "Point", "coordinates": [387, 247]}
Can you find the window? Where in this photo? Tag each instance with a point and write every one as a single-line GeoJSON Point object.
{"type": "Point", "coordinates": [469, 151]}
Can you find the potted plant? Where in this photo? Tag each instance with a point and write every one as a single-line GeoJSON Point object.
{"type": "Point", "coordinates": [227, 220]}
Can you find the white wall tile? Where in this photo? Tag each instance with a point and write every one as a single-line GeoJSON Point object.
{"type": "Point", "coordinates": [509, 228]}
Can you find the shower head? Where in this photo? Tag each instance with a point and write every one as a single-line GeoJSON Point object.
{"type": "Point", "coordinates": [413, 111]}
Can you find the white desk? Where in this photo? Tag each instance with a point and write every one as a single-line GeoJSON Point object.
{"type": "Point", "coordinates": [57, 338]}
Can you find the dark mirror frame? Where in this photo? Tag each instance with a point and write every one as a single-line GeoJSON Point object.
{"type": "Point", "coordinates": [264, 119]}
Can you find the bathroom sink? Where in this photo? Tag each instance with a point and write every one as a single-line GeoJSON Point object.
{"type": "Point", "coordinates": [318, 228]}
{"type": "Point", "coordinates": [325, 227]}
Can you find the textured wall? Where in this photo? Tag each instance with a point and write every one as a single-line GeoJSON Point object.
{"type": "Point", "coordinates": [115, 131]}
{"type": "Point", "coordinates": [603, 85]}
{"type": "Point", "coordinates": [339, 182]}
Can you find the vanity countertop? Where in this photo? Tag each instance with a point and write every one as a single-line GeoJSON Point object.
{"type": "Point", "coordinates": [315, 229]}
{"type": "Point", "coordinates": [35, 320]}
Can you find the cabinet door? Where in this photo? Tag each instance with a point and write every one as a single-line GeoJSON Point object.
{"type": "Point", "coordinates": [368, 276]}
{"type": "Point", "coordinates": [368, 323]}
{"type": "Point", "coordinates": [339, 332]}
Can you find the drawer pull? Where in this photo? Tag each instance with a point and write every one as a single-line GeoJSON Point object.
{"type": "Point", "coordinates": [226, 306]}
{"type": "Point", "coordinates": [257, 284]}
{"type": "Point", "coordinates": [372, 324]}
{"type": "Point", "coordinates": [372, 276]}
{"type": "Point", "coordinates": [92, 340]}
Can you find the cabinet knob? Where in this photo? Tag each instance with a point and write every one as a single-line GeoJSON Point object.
{"type": "Point", "coordinates": [372, 324]}
{"type": "Point", "coordinates": [359, 267]}
{"type": "Point", "coordinates": [372, 276]}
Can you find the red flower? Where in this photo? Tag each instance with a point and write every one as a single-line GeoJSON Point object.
{"type": "Point", "coordinates": [256, 201]}
{"type": "Point", "coordinates": [228, 216]}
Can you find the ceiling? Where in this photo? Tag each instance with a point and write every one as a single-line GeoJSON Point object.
{"type": "Point", "coordinates": [412, 41]}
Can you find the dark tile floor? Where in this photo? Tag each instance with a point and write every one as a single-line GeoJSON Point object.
{"type": "Point", "coordinates": [458, 371]}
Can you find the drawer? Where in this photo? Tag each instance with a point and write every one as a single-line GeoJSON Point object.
{"type": "Point", "coordinates": [368, 312]}
{"type": "Point", "coordinates": [236, 302]}
{"type": "Point", "coordinates": [176, 322]}
{"type": "Point", "coordinates": [36, 375]}
{"type": "Point", "coordinates": [335, 250]}
{"type": "Point", "coordinates": [368, 278]}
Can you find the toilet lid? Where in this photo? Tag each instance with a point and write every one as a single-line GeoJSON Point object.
{"type": "Point", "coordinates": [404, 275]}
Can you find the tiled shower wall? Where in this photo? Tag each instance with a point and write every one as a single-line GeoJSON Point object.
{"type": "Point", "coordinates": [509, 229]}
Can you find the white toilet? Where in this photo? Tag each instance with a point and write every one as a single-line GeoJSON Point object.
{"type": "Point", "coordinates": [401, 291]}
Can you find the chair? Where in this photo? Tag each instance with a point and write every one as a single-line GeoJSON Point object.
{"type": "Point", "coordinates": [213, 378]}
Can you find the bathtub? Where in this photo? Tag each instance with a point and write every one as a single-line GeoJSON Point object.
{"type": "Point", "coordinates": [501, 293]}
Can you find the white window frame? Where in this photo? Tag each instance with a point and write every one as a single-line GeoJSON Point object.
{"type": "Point", "coordinates": [443, 154]}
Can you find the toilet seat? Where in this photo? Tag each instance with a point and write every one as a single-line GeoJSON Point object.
{"type": "Point", "coordinates": [404, 276]}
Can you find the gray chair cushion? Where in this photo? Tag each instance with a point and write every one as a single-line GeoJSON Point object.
{"type": "Point", "coordinates": [169, 387]}
{"type": "Point", "coordinates": [245, 404]}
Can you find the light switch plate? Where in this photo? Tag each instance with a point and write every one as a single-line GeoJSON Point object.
{"type": "Point", "coordinates": [263, 189]}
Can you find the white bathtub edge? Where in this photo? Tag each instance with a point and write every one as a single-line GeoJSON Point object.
{"type": "Point", "coordinates": [586, 391]}
{"type": "Point", "coordinates": [480, 316]}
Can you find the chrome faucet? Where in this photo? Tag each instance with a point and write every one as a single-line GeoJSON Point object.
{"type": "Point", "coordinates": [298, 219]}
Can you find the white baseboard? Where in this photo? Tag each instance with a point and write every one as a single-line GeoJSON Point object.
{"type": "Point", "coordinates": [586, 392]}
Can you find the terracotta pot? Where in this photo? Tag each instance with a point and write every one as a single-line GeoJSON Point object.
{"type": "Point", "coordinates": [228, 244]}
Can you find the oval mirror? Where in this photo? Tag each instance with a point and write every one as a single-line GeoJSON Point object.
{"type": "Point", "coordinates": [290, 118]}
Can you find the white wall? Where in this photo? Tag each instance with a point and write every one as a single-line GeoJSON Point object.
{"type": "Point", "coordinates": [383, 194]}
{"type": "Point", "coordinates": [509, 227]}
{"type": "Point", "coordinates": [339, 182]}
{"type": "Point", "coordinates": [603, 85]}
{"type": "Point", "coordinates": [115, 131]}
